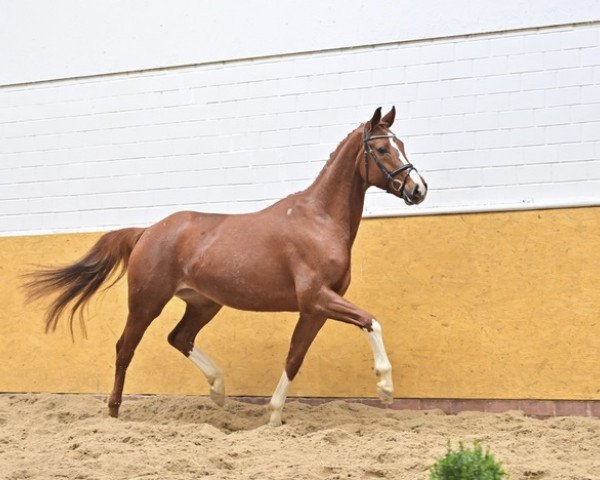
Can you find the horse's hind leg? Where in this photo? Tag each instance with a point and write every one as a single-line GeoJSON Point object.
{"type": "Point", "coordinates": [199, 312]}
{"type": "Point", "coordinates": [305, 332]}
{"type": "Point", "coordinates": [137, 323]}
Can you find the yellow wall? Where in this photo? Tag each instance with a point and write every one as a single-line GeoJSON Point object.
{"type": "Point", "coordinates": [495, 305]}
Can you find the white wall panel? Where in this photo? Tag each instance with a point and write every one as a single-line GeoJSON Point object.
{"type": "Point", "coordinates": [70, 38]}
{"type": "Point", "coordinates": [504, 120]}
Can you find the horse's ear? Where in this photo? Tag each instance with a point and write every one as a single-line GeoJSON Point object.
{"type": "Point", "coordinates": [375, 119]}
{"type": "Point", "coordinates": [389, 117]}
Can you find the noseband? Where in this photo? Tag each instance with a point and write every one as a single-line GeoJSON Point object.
{"type": "Point", "coordinates": [396, 184]}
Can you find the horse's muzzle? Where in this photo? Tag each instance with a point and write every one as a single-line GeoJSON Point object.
{"type": "Point", "coordinates": [416, 194]}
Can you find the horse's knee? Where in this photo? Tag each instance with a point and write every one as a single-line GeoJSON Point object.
{"type": "Point", "coordinates": [366, 324]}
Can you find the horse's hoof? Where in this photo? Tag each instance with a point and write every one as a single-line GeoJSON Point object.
{"type": "Point", "coordinates": [385, 392]}
{"type": "Point", "coordinates": [275, 421]}
{"type": "Point", "coordinates": [217, 391]}
{"type": "Point", "coordinates": [113, 409]}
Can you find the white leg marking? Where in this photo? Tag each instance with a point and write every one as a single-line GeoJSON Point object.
{"type": "Point", "coordinates": [278, 400]}
{"type": "Point", "coordinates": [383, 367]}
{"type": "Point", "coordinates": [213, 375]}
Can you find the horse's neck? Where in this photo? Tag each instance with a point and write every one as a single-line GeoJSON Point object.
{"type": "Point", "coordinates": [339, 190]}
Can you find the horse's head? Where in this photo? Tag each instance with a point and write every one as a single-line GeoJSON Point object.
{"type": "Point", "coordinates": [385, 162]}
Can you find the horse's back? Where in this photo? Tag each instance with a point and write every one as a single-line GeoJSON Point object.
{"type": "Point", "coordinates": [236, 260]}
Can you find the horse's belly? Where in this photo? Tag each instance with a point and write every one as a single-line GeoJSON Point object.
{"type": "Point", "coordinates": [245, 285]}
{"type": "Point", "coordinates": [244, 294]}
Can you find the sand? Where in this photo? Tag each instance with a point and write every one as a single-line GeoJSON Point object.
{"type": "Point", "coordinates": [167, 437]}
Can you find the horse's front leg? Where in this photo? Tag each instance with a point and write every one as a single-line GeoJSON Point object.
{"type": "Point", "coordinates": [332, 305]}
{"type": "Point", "coordinates": [305, 332]}
{"type": "Point", "coordinates": [383, 367]}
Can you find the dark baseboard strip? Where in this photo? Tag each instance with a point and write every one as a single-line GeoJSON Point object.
{"type": "Point", "coordinates": [534, 408]}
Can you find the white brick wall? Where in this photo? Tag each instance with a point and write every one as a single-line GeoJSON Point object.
{"type": "Point", "coordinates": [493, 121]}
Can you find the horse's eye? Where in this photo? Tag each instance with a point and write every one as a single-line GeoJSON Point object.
{"type": "Point", "coordinates": [382, 150]}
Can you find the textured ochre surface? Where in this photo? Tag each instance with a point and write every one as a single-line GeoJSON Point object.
{"type": "Point", "coordinates": [501, 305]}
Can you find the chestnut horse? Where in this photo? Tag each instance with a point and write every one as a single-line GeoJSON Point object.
{"type": "Point", "coordinates": [292, 256]}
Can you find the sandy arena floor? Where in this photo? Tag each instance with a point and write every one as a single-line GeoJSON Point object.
{"type": "Point", "coordinates": [70, 437]}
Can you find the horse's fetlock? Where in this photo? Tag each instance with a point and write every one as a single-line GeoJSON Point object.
{"type": "Point", "coordinates": [383, 368]}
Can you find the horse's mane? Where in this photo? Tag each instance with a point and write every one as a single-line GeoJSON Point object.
{"type": "Point", "coordinates": [335, 153]}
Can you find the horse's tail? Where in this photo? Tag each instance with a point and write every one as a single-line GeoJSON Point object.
{"type": "Point", "coordinates": [76, 283]}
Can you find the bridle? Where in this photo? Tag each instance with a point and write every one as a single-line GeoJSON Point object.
{"type": "Point", "coordinates": [396, 184]}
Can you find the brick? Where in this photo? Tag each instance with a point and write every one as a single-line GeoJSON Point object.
{"type": "Point", "coordinates": [429, 90]}
{"type": "Point", "coordinates": [415, 126]}
{"type": "Point", "coordinates": [509, 44]}
{"type": "Point", "coordinates": [585, 113]}
{"type": "Point", "coordinates": [516, 119]}
{"type": "Point", "coordinates": [577, 151]}
{"type": "Point", "coordinates": [457, 141]}
{"type": "Point", "coordinates": [575, 76]}
{"type": "Point", "coordinates": [456, 69]}
{"type": "Point", "coordinates": [496, 102]}
{"type": "Point", "coordinates": [540, 154]}
{"type": "Point", "coordinates": [424, 143]}
{"type": "Point", "coordinates": [490, 66]}
{"type": "Point", "coordinates": [407, 55]}
{"type": "Point", "coordinates": [544, 42]}
{"type": "Point", "coordinates": [564, 408]}
{"type": "Point", "coordinates": [480, 121]}
{"type": "Point", "coordinates": [459, 105]}
{"type": "Point", "coordinates": [425, 108]}
{"type": "Point", "coordinates": [580, 37]}
{"type": "Point", "coordinates": [400, 93]}
{"type": "Point", "coordinates": [499, 176]}
{"type": "Point", "coordinates": [538, 80]}
{"type": "Point", "coordinates": [589, 131]}
{"type": "Point", "coordinates": [592, 170]}
{"type": "Point", "coordinates": [571, 172]}
{"type": "Point", "coordinates": [445, 124]}
{"type": "Point", "coordinates": [526, 136]}
{"type": "Point", "coordinates": [590, 94]}
{"type": "Point", "coordinates": [459, 406]}
{"type": "Point", "coordinates": [563, 96]}
{"type": "Point", "coordinates": [406, 404]}
{"type": "Point", "coordinates": [437, 404]}
{"type": "Point", "coordinates": [466, 87]}
{"type": "Point", "coordinates": [367, 78]}
{"type": "Point", "coordinates": [526, 62]}
{"type": "Point", "coordinates": [594, 408]}
{"type": "Point", "coordinates": [422, 73]}
{"type": "Point", "coordinates": [437, 52]}
{"type": "Point", "coordinates": [501, 406]}
{"type": "Point", "coordinates": [535, 173]}
{"type": "Point", "coordinates": [563, 133]}
{"type": "Point", "coordinates": [472, 49]}
{"type": "Point", "coordinates": [562, 59]}
{"type": "Point", "coordinates": [537, 408]}
{"type": "Point", "coordinates": [590, 56]}
{"type": "Point", "coordinates": [553, 116]}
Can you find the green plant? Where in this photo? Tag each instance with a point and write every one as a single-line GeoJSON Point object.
{"type": "Point", "coordinates": [467, 464]}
